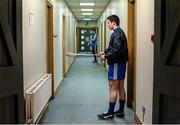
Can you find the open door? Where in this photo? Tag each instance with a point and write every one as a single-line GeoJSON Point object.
{"type": "Point", "coordinates": [11, 63]}
{"type": "Point", "coordinates": [50, 62]}
{"type": "Point", "coordinates": [166, 103]}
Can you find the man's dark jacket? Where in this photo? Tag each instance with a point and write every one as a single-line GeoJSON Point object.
{"type": "Point", "coordinates": [117, 51]}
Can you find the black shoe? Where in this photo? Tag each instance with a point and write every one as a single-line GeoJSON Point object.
{"type": "Point", "coordinates": [119, 114]}
{"type": "Point", "coordinates": [94, 61]}
{"type": "Point", "coordinates": [105, 116]}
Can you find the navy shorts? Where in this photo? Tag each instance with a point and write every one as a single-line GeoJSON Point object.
{"type": "Point", "coordinates": [117, 71]}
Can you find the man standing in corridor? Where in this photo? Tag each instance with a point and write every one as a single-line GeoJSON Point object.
{"type": "Point", "coordinates": [93, 40]}
{"type": "Point", "coordinates": [117, 56]}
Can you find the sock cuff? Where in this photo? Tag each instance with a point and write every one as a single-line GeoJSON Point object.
{"type": "Point", "coordinates": [122, 101]}
{"type": "Point", "coordinates": [112, 103]}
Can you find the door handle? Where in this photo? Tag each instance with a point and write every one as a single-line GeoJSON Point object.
{"type": "Point", "coordinates": [55, 35]}
{"type": "Point", "coordinates": [153, 38]}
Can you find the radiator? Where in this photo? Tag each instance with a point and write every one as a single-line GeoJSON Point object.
{"type": "Point", "coordinates": [37, 97]}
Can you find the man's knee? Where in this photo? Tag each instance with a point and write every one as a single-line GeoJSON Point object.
{"type": "Point", "coordinates": [114, 85]}
{"type": "Point", "coordinates": [121, 84]}
{"type": "Point", "coordinates": [113, 88]}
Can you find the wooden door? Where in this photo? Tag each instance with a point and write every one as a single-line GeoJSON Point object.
{"type": "Point", "coordinates": [11, 64]}
{"type": "Point", "coordinates": [166, 103]}
{"type": "Point", "coordinates": [50, 54]}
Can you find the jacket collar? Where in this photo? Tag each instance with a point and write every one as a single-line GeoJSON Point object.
{"type": "Point", "coordinates": [116, 29]}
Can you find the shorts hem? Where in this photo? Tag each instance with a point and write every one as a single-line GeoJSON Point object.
{"type": "Point", "coordinates": [116, 79]}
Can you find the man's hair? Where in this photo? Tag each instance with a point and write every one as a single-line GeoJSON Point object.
{"type": "Point", "coordinates": [114, 18]}
{"type": "Point", "coordinates": [94, 30]}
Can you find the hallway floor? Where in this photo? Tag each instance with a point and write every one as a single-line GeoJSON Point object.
{"type": "Point", "coordinates": [82, 96]}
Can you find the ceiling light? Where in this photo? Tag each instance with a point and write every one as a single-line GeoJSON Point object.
{"type": "Point", "coordinates": [86, 9]}
{"type": "Point", "coordinates": [86, 13]}
{"type": "Point", "coordinates": [86, 19]}
{"type": "Point", "coordinates": [86, 4]}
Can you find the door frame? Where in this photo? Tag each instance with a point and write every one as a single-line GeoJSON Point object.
{"type": "Point", "coordinates": [50, 42]}
{"type": "Point", "coordinates": [104, 40]}
{"type": "Point", "coordinates": [64, 45]}
{"type": "Point", "coordinates": [132, 53]}
{"type": "Point", "coordinates": [101, 37]}
{"type": "Point", "coordinates": [77, 39]}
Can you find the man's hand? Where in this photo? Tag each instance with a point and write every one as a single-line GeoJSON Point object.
{"type": "Point", "coordinates": [101, 55]}
{"type": "Point", "coordinates": [71, 54]}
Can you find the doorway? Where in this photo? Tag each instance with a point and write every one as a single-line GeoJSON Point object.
{"type": "Point", "coordinates": [64, 45]}
{"type": "Point", "coordinates": [101, 47]}
{"type": "Point", "coordinates": [104, 40]}
{"type": "Point", "coordinates": [132, 46]}
{"type": "Point", "coordinates": [84, 40]}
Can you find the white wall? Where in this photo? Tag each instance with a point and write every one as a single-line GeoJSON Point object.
{"type": "Point", "coordinates": [63, 10]}
{"type": "Point", "coordinates": [34, 40]}
{"type": "Point", "coordinates": [70, 35]}
{"type": "Point", "coordinates": [57, 45]}
{"type": "Point", "coordinates": [145, 52]}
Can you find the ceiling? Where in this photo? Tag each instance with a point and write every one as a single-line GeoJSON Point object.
{"type": "Point", "coordinates": [98, 8]}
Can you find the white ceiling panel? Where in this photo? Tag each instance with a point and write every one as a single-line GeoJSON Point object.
{"type": "Point", "coordinates": [98, 8]}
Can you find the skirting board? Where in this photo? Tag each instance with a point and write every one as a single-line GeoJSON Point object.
{"type": "Point", "coordinates": [42, 113]}
{"type": "Point", "coordinates": [61, 82]}
{"type": "Point", "coordinates": [137, 119]}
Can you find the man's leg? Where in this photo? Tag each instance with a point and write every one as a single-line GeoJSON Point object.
{"type": "Point", "coordinates": [113, 84]}
{"type": "Point", "coordinates": [122, 93]}
{"type": "Point", "coordinates": [113, 88]}
{"type": "Point", "coordinates": [122, 98]}
{"type": "Point", "coordinates": [93, 52]}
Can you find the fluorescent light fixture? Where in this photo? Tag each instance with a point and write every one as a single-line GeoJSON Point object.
{"type": "Point", "coordinates": [86, 9]}
{"type": "Point", "coordinates": [86, 13]}
{"type": "Point", "coordinates": [86, 19]}
{"type": "Point", "coordinates": [86, 4]}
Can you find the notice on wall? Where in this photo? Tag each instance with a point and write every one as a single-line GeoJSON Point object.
{"type": "Point", "coordinates": [31, 18]}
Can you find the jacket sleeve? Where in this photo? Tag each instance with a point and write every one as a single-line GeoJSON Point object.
{"type": "Point", "coordinates": [115, 47]}
{"type": "Point", "coordinates": [94, 37]}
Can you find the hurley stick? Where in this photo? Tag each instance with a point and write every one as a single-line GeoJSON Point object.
{"type": "Point", "coordinates": [80, 54]}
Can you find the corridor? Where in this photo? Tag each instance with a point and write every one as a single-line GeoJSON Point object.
{"type": "Point", "coordinates": [41, 83]}
{"type": "Point", "coordinates": [84, 93]}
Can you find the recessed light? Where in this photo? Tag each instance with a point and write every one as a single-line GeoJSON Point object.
{"type": "Point", "coordinates": [86, 13]}
{"type": "Point", "coordinates": [86, 19]}
{"type": "Point", "coordinates": [86, 9]}
{"type": "Point", "coordinates": [86, 4]}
